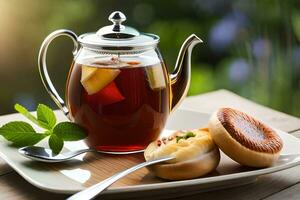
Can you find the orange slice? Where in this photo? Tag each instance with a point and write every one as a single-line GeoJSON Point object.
{"type": "Point", "coordinates": [87, 72]}
{"type": "Point", "coordinates": [156, 77]}
{"type": "Point", "coordinates": [94, 79]}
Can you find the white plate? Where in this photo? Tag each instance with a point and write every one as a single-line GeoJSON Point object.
{"type": "Point", "coordinates": [72, 177]}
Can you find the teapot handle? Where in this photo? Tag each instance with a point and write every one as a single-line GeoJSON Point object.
{"type": "Point", "coordinates": [43, 66]}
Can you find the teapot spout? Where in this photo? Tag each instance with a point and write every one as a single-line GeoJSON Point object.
{"type": "Point", "coordinates": [181, 76]}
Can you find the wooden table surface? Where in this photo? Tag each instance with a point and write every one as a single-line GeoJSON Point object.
{"type": "Point", "coordinates": [279, 185]}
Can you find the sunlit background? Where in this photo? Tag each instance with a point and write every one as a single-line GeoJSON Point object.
{"type": "Point", "coordinates": [250, 47]}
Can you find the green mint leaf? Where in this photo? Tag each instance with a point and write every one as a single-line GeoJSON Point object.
{"type": "Point", "coordinates": [69, 131]}
{"type": "Point", "coordinates": [55, 143]}
{"type": "Point", "coordinates": [46, 116]}
{"type": "Point", "coordinates": [20, 134]}
{"type": "Point", "coordinates": [26, 113]}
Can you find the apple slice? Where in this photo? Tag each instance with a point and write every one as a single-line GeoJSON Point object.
{"type": "Point", "coordinates": [94, 79]}
{"type": "Point", "coordinates": [156, 77]}
{"type": "Point", "coordinates": [110, 94]}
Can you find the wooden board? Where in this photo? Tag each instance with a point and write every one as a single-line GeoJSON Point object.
{"type": "Point", "coordinates": [291, 193]}
{"type": "Point", "coordinates": [14, 187]}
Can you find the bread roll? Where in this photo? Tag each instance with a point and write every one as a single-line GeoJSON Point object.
{"type": "Point", "coordinates": [194, 152]}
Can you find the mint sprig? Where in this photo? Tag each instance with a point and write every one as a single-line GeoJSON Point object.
{"type": "Point", "coordinates": [22, 134]}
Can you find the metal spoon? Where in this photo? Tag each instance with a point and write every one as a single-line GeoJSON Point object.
{"type": "Point", "coordinates": [46, 155]}
{"type": "Point", "coordinates": [96, 189]}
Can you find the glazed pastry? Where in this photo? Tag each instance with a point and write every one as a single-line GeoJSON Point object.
{"type": "Point", "coordinates": [244, 139]}
{"type": "Point", "coordinates": [195, 154]}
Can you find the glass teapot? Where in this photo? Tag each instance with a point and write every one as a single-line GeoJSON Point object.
{"type": "Point", "coordinates": [118, 87]}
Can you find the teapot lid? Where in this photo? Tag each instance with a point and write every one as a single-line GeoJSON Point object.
{"type": "Point", "coordinates": [118, 36]}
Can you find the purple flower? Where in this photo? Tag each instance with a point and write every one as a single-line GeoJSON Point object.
{"type": "Point", "coordinates": [225, 31]}
{"type": "Point", "coordinates": [239, 71]}
{"type": "Point", "coordinates": [261, 48]}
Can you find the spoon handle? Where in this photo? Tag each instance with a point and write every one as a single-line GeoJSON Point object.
{"type": "Point", "coordinates": [94, 190]}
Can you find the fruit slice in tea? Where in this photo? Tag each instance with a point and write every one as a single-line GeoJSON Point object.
{"type": "Point", "coordinates": [155, 75]}
{"type": "Point", "coordinates": [108, 95]}
{"type": "Point", "coordinates": [95, 79]}
{"type": "Point", "coordinates": [87, 72]}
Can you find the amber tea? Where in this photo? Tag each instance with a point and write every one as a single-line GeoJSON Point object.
{"type": "Point", "coordinates": [122, 104]}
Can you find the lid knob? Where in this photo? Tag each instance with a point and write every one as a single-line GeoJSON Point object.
{"type": "Point", "coordinates": [117, 30]}
{"type": "Point", "coordinates": [117, 18]}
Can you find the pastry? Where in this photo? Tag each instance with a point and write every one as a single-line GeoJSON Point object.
{"type": "Point", "coordinates": [195, 154]}
{"type": "Point", "coordinates": [244, 139]}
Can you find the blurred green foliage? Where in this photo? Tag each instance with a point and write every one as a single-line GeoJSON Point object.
{"type": "Point", "coordinates": [250, 47]}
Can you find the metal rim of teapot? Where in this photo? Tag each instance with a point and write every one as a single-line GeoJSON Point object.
{"type": "Point", "coordinates": [121, 48]}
